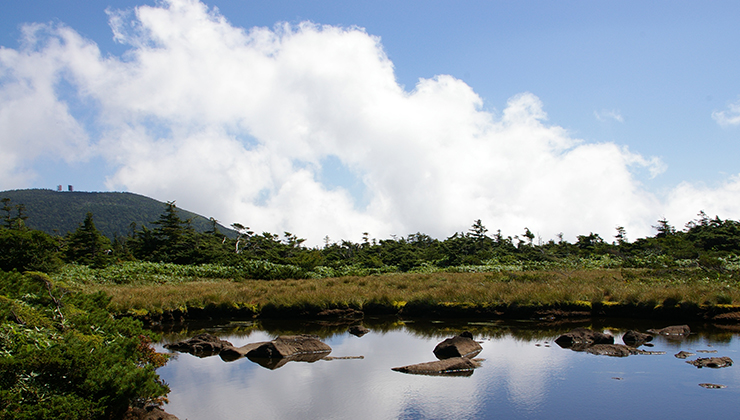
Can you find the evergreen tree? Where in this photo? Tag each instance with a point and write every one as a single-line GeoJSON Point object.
{"type": "Point", "coordinates": [87, 245]}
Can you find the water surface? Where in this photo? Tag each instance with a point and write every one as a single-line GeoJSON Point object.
{"type": "Point", "coordinates": [525, 375]}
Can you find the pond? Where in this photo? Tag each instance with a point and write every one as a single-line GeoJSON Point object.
{"type": "Point", "coordinates": [524, 374]}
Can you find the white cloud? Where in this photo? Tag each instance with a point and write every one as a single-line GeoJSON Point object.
{"type": "Point", "coordinates": [687, 199]}
{"type": "Point", "coordinates": [730, 116]}
{"type": "Point", "coordinates": [605, 115]}
{"type": "Point", "coordinates": [34, 122]}
{"type": "Point", "coordinates": [235, 124]}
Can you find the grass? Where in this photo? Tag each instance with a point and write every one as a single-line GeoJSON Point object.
{"type": "Point", "coordinates": [465, 291]}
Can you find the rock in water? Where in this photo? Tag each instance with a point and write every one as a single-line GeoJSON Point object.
{"type": "Point", "coordinates": [462, 345]}
{"type": "Point", "coordinates": [202, 345]}
{"type": "Point", "coordinates": [673, 330]}
{"type": "Point", "coordinates": [682, 354]}
{"type": "Point", "coordinates": [583, 337]}
{"type": "Point", "coordinates": [358, 330]}
{"type": "Point", "coordinates": [633, 338]}
{"type": "Point", "coordinates": [614, 350]}
{"type": "Point", "coordinates": [451, 366]}
{"type": "Point", "coordinates": [308, 347]}
{"type": "Point", "coordinates": [711, 362]}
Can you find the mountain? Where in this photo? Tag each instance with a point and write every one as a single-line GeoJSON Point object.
{"type": "Point", "coordinates": [57, 212]}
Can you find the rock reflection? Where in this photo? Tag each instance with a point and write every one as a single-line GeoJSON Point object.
{"type": "Point", "coordinates": [518, 379]}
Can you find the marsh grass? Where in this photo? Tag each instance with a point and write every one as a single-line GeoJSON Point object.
{"type": "Point", "coordinates": [464, 290]}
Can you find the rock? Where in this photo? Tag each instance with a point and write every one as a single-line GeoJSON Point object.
{"type": "Point", "coordinates": [711, 362]}
{"type": "Point", "coordinates": [462, 345]}
{"type": "Point", "coordinates": [273, 364]}
{"type": "Point", "coordinates": [358, 330]}
{"type": "Point", "coordinates": [614, 350]}
{"type": "Point", "coordinates": [712, 386]}
{"type": "Point", "coordinates": [673, 330]}
{"type": "Point", "coordinates": [302, 347]}
{"type": "Point", "coordinates": [633, 338]}
{"type": "Point", "coordinates": [202, 345]}
{"type": "Point", "coordinates": [617, 350]}
{"type": "Point", "coordinates": [683, 354]}
{"type": "Point", "coordinates": [583, 337]}
{"type": "Point", "coordinates": [342, 358]}
{"type": "Point", "coordinates": [452, 366]}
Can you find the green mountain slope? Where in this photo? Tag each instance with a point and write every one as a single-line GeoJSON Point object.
{"type": "Point", "coordinates": [57, 213]}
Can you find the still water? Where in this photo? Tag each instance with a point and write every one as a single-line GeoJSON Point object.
{"type": "Point", "coordinates": [524, 375]}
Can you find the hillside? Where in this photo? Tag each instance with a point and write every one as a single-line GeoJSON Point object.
{"type": "Point", "coordinates": [57, 213]}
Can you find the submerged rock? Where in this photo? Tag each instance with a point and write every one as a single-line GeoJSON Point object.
{"type": "Point", "coordinates": [455, 366]}
{"type": "Point", "coordinates": [711, 362]}
{"type": "Point", "coordinates": [202, 345]}
{"type": "Point", "coordinates": [673, 330]}
{"type": "Point", "coordinates": [583, 337]}
{"type": "Point", "coordinates": [682, 354]}
{"type": "Point", "coordinates": [617, 350]}
{"type": "Point", "coordinates": [712, 386]}
{"type": "Point", "coordinates": [614, 350]}
{"type": "Point", "coordinates": [462, 345]}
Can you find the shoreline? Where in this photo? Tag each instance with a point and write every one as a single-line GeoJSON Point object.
{"type": "Point", "coordinates": [715, 314]}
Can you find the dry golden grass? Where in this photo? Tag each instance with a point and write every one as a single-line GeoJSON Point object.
{"type": "Point", "coordinates": [394, 290]}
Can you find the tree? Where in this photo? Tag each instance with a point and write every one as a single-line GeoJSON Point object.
{"type": "Point", "coordinates": [87, 245]}
{"type": "Point", "coordinates": [17, 221]}
{"type": "Point", "coordinates": [7, 208]}
{"type": "Point", "coordinates": [621, 235]}
{"type": "Point", "coordinates": [172, 239]}
{"type": "Point", "coordinates": [529, 235]}
{"type": "Point", "coordinates": [28, 250]}
{"type": "Point", "coordinates": [478, 231]}
{"type": "Point", "coordinates": [664, 228]}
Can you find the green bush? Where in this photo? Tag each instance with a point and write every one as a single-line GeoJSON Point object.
{"type": "Point", "coordinates": [64, 356]}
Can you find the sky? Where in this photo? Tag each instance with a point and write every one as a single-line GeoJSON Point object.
{"type": "Point", "coordinates": [332, 119]}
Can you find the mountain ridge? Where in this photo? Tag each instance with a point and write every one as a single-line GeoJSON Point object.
{"type": "Point", "coordinates": [114, 213]}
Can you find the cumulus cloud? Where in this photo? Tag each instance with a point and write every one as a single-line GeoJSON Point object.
{"type": "Point", "coordinates": [687, 199]}
{"type": "Point", "coordinates": [236, 124]}
{"type": "Point", "coordinates": [730, 116]}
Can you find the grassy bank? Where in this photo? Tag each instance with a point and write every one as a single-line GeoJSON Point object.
{"type": "Point", "coordinates": [610, 291]}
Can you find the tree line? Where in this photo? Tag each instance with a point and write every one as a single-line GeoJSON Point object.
{"type": "Point", "coordinates": [704, 241]}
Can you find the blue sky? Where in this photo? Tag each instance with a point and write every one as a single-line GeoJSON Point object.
{"type": "Point", "coordinates": [387, 117]}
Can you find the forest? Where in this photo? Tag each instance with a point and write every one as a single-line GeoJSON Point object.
{"type": "Point", "coordinates": [711, 243]}
{"type": "Point", "coordinates": [703, 242]}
